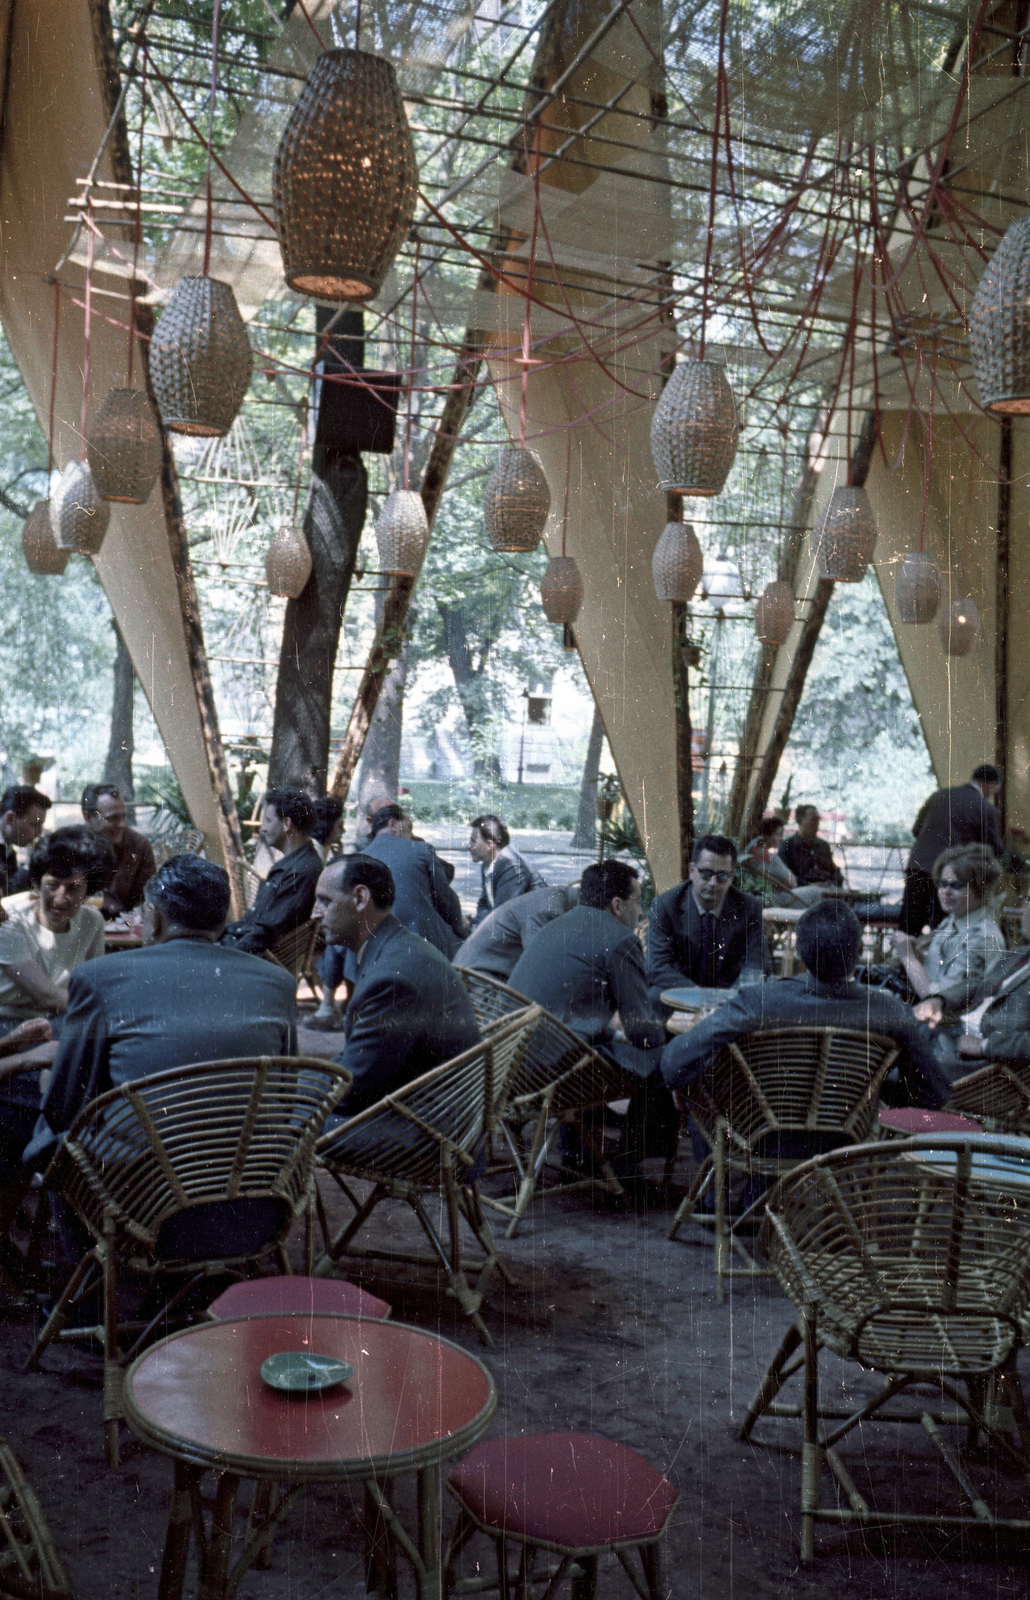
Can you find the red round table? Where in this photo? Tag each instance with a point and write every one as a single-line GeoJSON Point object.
{"type": "Point", "coordinates": [414, 1402]}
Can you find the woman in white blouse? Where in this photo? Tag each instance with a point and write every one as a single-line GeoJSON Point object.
{"type": "Point", "coordinates": [967, 941]}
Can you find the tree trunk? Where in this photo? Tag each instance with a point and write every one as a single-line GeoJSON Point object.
{"type": "Point", "coordinates": [333, 521]}
{"type": "Point", "coordinates": [468, 680]}
{"type": "Point", "coordinates": [586, 817]}
{"type": "Point", "coordinates": [381, 760]}
{"type": "Point", "coordinates": [118, 765]}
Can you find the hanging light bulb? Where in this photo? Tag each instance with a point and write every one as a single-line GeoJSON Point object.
{"type": "Point", "coordinates": [917, 587]}
{"type": "Point", "coordinates": [959, 626]}
{"type": "Point", "coordinates": [516, 502]}
{"type": "Point", "coordinates": [288, 562]}
{"type": "Point", "coordinates": [78, 516]}
{"type": "Point", "coordinates": [677, 563]}
{"type": "Point", "coordinates": [722, 587]}
{"type": "Point", "coordinates": [694, 430]}
{"type": "Point", "coordinates": [774, 614]}
{"type": "Point", "coordinates": [42, 553]}
{"type": "Point", "coordinates": [200, 358]}
{"type": "Point", "coordinates": [999, 326]}
{"type": "Point", "coordinates": [846, 535]}
{"type": "Point", "coordinates": [402, 533]}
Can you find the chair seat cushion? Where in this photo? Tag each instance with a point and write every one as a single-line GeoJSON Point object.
{"type": "Point", "coordinates": [911, 1120]}
{"type": "Point", "coordinates": [255, 1297]}
{"type": "Point", "coordinates": [573, 1491]}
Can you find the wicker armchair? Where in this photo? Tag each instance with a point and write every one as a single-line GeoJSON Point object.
{"type": "Point", "coordinates": [30, 1567]}
{"type": "Point", "coordinates": [427, 1139]}
{"type": "Point", "coordinates": [772, 1100]}
{"type": "Point", "coordinates": [998, 1095]}
{"type": "Point", "coordinates": [191, 1171]}
{"type": "Point", "coordinates": [911, 1259]}
{"type": "Point", "coordinates": [296, 952]}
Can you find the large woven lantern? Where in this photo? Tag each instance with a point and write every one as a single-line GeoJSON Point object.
{"type": "Point", "coordinates": [123, 447]}
{"type": "Point", "coordinates": [200, 358]}
{"type": "Point", "coordinates": [959, 626]}
{"type": "Point", "coordinates": [917, 587]}
{"type": "Point", "coordinates": [516, 501]}
{"type": "Point", "coordinates": [402, 533]}
{"type": "Point", "coordinates": [288, 562]}
{"type": "Point", "coordinates": [774, 613]}
{"type": "Point", "coordinates": [694, 430]}
{"type": "Point", "coordinates": [78, 515]}
{"type": "Point", "coordinates": [677, 563]}
{"type": "Point", "coordinates": [37, 540]}
{"type": "Point", "coordinates": [561, 590]}
{"type": "Point", "coordinates": [846, 536]}
{"type": "Point", "coordinates": [999, 326]}
{"type": "Point", "coordinates": [345, 178]}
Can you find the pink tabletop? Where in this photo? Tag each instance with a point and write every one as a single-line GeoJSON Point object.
{"type": "Point", "coordinates": [414, 1399]}
{"type": "Point", "coordinates": [912, 1119]}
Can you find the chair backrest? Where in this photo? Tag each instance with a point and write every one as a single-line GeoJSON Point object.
{"type": "Point", "coordinates": [997, 1094]}
{"type": "Point", "coordinates": [790, 1093]}
{"type": "Point", "coordinates": [914, 1252]}
{"type": "Point", "coordinates": [445, 1113]}
{"type": "Point", "coordinates": [295, 950]}
{"type": "Point", "coordinates": [188, 1138]}
{"type": "Point", "coordinates": [492, 1000]}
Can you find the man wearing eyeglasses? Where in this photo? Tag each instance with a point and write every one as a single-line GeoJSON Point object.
{"type": "Point", "coordinates": [704, 933]}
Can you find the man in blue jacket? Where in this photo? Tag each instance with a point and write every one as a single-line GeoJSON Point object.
{"type": "Point", "coordinates": [704, 933]}
{"type": "Point", "coordinates": [423, 898]}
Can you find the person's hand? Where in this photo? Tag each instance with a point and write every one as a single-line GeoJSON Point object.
{"type": "Point", "coordinates": [970, 1045]}
{"type": "Point", "coordinates": [929, 1011]}
{"type": "Point", "coordinates": [26, 1034]}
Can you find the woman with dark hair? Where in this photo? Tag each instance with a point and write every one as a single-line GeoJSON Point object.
{"type": "Point", "coordinates": [49, 929]}
{"type": "Point", "coordinates": [964, 945]}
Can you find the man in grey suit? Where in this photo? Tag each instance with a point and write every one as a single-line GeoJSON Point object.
{"type": "Point", "coordinates": [704, 933]}
{"type": "Point", "coordinates": [995, 1010]}
{"type": "Point", "coordinates": [423, 899]}
{"type": "Point", "coordinates": [181, 999]}
{"type": "Point", "coordinates": [409, 1010]}
{"type": "Point", "coordinates": [964, 814]}
{"type": "Point", "coordinates": [499, 940]}
{"type": "Point", "coordinates": [506, 874]}
{"type": "Point", "coordinates": [829, 940]}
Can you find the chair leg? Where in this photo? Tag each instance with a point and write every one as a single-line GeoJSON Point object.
{"type": "Point", "coordinates": [689, 1200]}
{"type": "Point", "coordinates": [527, 1187]}
{"type": "Point", "coordinates": [651, 1561]}
{"type": "Point", "coordinates": [462, 1532]}
{"type": "Point", "coordinates": [811, 1450]}
{"type": "Point", "coordinates": [112, 1364]}
{"type": "Point", "coordinates": [773, 1381]}
{"type": "Point", "coordinates": [56, 1320]}
{"type": "Point", "coordinates": [584, 1584]}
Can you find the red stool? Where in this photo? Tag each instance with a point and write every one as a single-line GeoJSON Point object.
{"type": "Point", "coordinates": [255, 1297]}
{"type": "Point", "coordinates": [902, 1122]}
{"type": "Point", "coordinates": [571, 1493]}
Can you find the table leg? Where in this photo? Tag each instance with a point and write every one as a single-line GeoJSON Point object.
{"type": "Point", "coordinates": [177, 1539]}
{"type": "Point", "coordinates": [380, 1552]}
{"type": "Point", "coordinates": [430, 1586]}
{"type": "Point", "coordinates": [215, 1574]}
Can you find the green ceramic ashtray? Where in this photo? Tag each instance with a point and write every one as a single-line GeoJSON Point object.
{"type": "Point", "coordinates": [303, 1372]}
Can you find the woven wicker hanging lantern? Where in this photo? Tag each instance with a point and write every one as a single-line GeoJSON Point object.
{"type": "Point", "coordinates": [999, 326]}
{"type": "Point", "coordinates": [123, 447]}
{"type": "Point", "coordinates": [917, 587]}
{"type": "Point", "coordinates": [678, 562]}
{"type": "Point", "coordinates": [516, 501]}
{"type": "Point", "coordinates": [561, 590]}
{"type": "Point", "coordinates": [846, 536]}
{"type": "Point", "coordinates": [200, 358]}
{"type": "Point", "coordinates": [78, 516]}
{"type": "Point", "coordinates": [774, 614]}
{"type": "Point", "coordinates": [288, 562]}
{"type": "Point", "coordinates": [402, 533]}
{"type": "Point", "coordinates": [694, 430]}
{"type": "Point", "coordinates": [959, 626]}
{"type": "Point", "coordinates": [345, 178]}
{"type": "Point", "coordinates": [38, 542]}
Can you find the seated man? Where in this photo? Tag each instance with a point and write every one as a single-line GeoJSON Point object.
{"type": "Point", "coordinates": [182, 998]}
{"type": "Point", "coordinates": [104, 811]}
{"type": "Point", "coordinates": [409, 1010]}
{"type": "Point", "coordinates": [423, 898]}
{"type": "Point", "coordinates": [810, 858]}
{"type": "Point", "coordinates": [703, 933]}
{"type": "Point", "coordinates": [505, 872]}
{"type": "Point", "coordinates": [829, 941]}
{"type": "Point", "coordinates": [285, 898]}
{"type": "Point", "coordinates": [768, 875]}
{"type": "Point", "coordinates": [995, 1014]}
{"type": "Point", "coordinates": [49, 930]}
{"type": "Point", "coordinates": [22, 813]}
{"type": "Point", "coordinates": [499, 940]}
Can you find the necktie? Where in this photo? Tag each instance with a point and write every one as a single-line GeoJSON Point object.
{"type": "Point", "coordinates": [708, 950]}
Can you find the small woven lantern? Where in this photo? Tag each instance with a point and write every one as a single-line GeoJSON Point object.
{"type": "Point", "coordinates": [561, 590]}
{"type": "Point", "coordinates": [123, 447]}
{"type": "Point", "coordinates": [78, 515]}
{"type": "Point", "coordinates": [516, 501]}
{"type": "Point", "coordinates": [774, 613]}
{"type": "Point", "coordinates": [200, 358]}
{"type": "Point", "coordinates": [288, 562]}
{"type": "Point", "coordinates": [999, 326]}
{"type": "Point", "coordinates": [345, 178]}
{"type": "Point", "coordinates": [39, 544]}
{"type": "Point", "coordinates": [917, 587]}
{"type": "Point", "coordinates": [402, 533]}
{"type": "Point", "coordinates": [846, 536]}
{"type": "Point", "coordinates": [678, 562]}
{"type": "Point", "coordinates": [694, 430]}
{"type": "Point", "coordinates": [959, 626]}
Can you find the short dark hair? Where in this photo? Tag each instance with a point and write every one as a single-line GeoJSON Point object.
{"type": "Point", "coordinates": [292, 805]}
{"type": "Point", "coordinates": [770, 825]}
{"type": "Point", "coordinates": [716, 844]}
{"type": "Point", "coordinates": [328, 811]}
{"type": "Point", "coordinates": [986, 774]}
{"type": "Point", "coordinates": [386, 814]}
{"type": "Point", "coordinates": [191, 891]}
{"type": "Point", "coordinates": [71, 852]}
{"type": "Point", "coordinates": [973, 864]}
{"type": "Point", "coordinates": [375, 875]}
{"type": "Point", "coordinates": [829, 938]}
{"type": "Point", "coordinates": [604, 881]}
{"type": "Point", "coordinates": [803, 809]}
{"type": "Point", "coordinates": [92, 792]}
{"type": "Point", "coordinates": [20, 798]}
{"type": "Point", "coordinates": [492, 828]}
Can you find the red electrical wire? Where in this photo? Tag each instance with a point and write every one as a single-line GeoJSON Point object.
{"type": "Point", "coordinates": [211, 132]}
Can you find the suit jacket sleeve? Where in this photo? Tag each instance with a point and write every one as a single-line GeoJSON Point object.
{"type": "Point", "coordinates": [1006, 1028]}
{"type": "Point", "coordinates": [507, 881]}
{"type": "Point", "coordinates": [444, 898]}
{"type": "Point", "coordinates": [662, 971]}
{"type": "Point", "coordinates": [992, 838]}
{"type": "Point", "coordinates": [754, 931]}
{"type": "Point", "coordinates": [386, 1026]}
{"type": "Point", "coordinates": [629, 989]}
{"type": "Point", "coordinates": [283, 902]}
{"type": "Point", "coordinates": [688, 1055]}
{"type": "Point", "coordinates": [80, 1070]}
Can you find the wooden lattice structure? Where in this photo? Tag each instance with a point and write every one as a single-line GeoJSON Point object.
{"type": "Point", "coordinates": [30, 1567]}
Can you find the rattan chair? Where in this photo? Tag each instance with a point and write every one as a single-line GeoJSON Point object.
{"type": "Point", "coordinates": [30, 1567]}
{"type": "Point", "coordinates": [191, 1171]}
{"type": "Point", "coordinates": [774, 1099]}
{"type": "Point", "coordinates": [997, 1094]}
{"type": "Point", "coordinates": [426, 1140]}
{"type": "Point", "coordinates": [296, 952]}
{"type": "Point", "coordinates": [911, 1259]}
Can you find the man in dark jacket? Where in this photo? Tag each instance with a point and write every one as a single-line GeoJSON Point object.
{"type": "Point", "coordinates": [285, 898]}
{"type": "Point", "coordinates": [409, 1010]}
{"type": "Point", "coordinates": [499, 940]}
{"type": "Point", "coordinates": [505, 872]}
{"type": "Point", "coordinates": [22, 814]}
{"type": "Point", "coordinates": [808, 857]}
{"type": "Point", "coordinates": [424, 901]}
{"type": "Point", "coordinates": [995, 1012]}
{"type": "Point", "coordinates": [962, 815]}
{"type": "Point", "coordinates": [704, 933]}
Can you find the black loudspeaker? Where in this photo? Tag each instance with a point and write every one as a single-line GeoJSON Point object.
{"type": "Point", "coordinates": [357, 410]}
